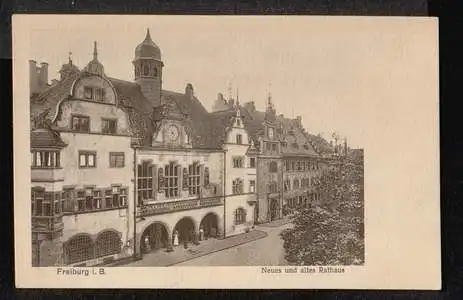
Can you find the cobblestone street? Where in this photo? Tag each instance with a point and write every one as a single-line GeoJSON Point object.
{"type": "Point", "coordinates": [267, 251]}
{"type": "Point", "coordinates": [262, 246]}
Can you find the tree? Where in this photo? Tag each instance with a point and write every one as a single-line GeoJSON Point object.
{"type": "Point", "coordinates": [332, 232]}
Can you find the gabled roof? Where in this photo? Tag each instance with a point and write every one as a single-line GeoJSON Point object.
{"type": "Point", "coordinates": [296, 141]}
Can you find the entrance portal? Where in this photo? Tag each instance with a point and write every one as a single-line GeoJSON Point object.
{"type": "Point", "coordinates": [274, 209]}
{"type": "Point", "coordinates": [210, 225]}
{"type": "Point", "coordinates": [186, 230]}
{"type": "Point", "coordinates": [154, 237]}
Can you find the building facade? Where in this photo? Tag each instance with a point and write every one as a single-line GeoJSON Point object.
{"type": "Point", "coordinates": [120, 168]}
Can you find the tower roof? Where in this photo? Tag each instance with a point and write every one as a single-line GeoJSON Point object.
{"type": "Point", "coordinates": [148, 49]}
{"type": "Point", "coordinates": [95, 66]}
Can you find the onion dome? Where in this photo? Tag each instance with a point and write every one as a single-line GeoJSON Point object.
{"type": "Point", "coordinates": [94, 66]}
{"type": "Point", "coordinates": [147, 49]}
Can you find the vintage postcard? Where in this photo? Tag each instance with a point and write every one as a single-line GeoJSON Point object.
{"type": "Point", "coordinates": [226, 152]}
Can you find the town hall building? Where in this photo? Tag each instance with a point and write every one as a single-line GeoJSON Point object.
{"type": "Point", "coordinates": [120, 168]}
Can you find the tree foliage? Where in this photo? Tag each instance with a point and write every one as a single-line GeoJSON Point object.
{"type": "Point", "coordinates": [330, 232]}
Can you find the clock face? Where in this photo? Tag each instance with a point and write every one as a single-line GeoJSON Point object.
{"type": "Point", "coordinates": [172, 132]}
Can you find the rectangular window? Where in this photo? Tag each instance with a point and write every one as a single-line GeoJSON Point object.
{"type": "Point", "coordinates": [252, 162]}
{"type": "Point", "coordinates": [45, 159]}
{"type": "Point", "coordinates": [88, 93]}
{"type": "Point", "coordinates": [145, 174]}
{"type": "Point", "coordinates": [80, 124]}
{"type": "Point", "coordinates": [108, 198]}
{"type": "Point", "coordinates": [109, 126]}
{"type": "Point", "coordinates": [123, 197]}
{"type": "Point", "coordinates": [116, 159]}
{"type": "Point", "coordinates": [268, 146]}
{"type": "Point", "coordinates": [194, 179]}
{"type": "Point", "coordinates": [237, 162]}
{"type": "Point", "coordinates": [171, 180]}
{"type": "Point", "coordinates": [99, 94]}
{"type": "Point", "coordinates": [274, 147]}
{"type": "Point", "coordinates": [87, 159]}
{"type": "Point", "coordinates": [252, 186]}
{"type": "Point", "coordinates": [237, 186]}
{"type": "Point", "coordinates": [80, 201]}
{"type": "Point", "coordinates": [239, 139]}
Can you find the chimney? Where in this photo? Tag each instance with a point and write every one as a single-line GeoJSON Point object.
{"type": "Point", "coordinates": [189, 92]}
{"type": "Point", "coordinates": [220, 98]}
{"type": "Point", "coordinates": [33, 77]}
{"type": "Point", "coordinates": [299, 121]}
{"type": "Point", "coordinates": [43, 75]}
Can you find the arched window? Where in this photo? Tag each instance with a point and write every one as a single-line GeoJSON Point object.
{"type": "Point", "coordinates": [273, 167]}
{"type": "Point", "coordinates": [155, 72]}
{"type": "Point", "coordinates": [107, 243]}
{"type": "Point", "coordinates": [239, 139]}
{"type": "Point", "coordinates": [146, 71]}
{"type": "Point", "coordinates": [240, 216]}
{"type": "Point", "coordinates": [171, 175]}
{"type": "Point", "coordinates": [296, 183]}
{"type": "Point", "coordinates": [79, 248]}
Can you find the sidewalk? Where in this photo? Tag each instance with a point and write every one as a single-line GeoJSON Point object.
{"type": "Point", "coordinates": [161, 258]}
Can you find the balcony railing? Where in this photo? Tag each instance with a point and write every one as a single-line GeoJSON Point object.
{"type": "Point", "coordinates": [47, 224]}
{"type": "Point", "coordinates": [167, 207]}
{"type": "Point", "coordinates": [47, 175]}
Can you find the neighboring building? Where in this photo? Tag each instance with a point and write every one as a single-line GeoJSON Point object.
{"type": "Point", "coordinates": [81, 171]}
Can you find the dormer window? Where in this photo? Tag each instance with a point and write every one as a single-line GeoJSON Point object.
{"type": "Point", "coordinates": [88, 93]}
{"type": "Point", "coordinates": [94, 93]}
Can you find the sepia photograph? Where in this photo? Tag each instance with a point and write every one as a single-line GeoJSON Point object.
{"type": "Point", "coordinates": [171, 142]}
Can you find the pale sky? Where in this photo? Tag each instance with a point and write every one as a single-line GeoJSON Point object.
{"type": "Point", "coordinates": [348, 76]}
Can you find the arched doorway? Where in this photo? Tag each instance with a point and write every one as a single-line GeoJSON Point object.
{"type": "Point", "coordinates": [185, 229]}
{"type": "Point", "coordinates": [154, 237]}
{"type": "Point", "coordinates": [78, 248]}
{"type": "Point", "coordinates": [210, 225]}
{"type": "Point", "coordinates": [107, 243]}
{"type": "Point", "coordinates": [274, 210]}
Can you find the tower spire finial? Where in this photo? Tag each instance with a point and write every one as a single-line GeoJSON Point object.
{"type": "Point", "coordinates": [95, 51]}
{"type": "Point", "coordinates": [237, 96]}
{"type": "Point", "coordinates": [70, 57]}
{"type": "Point", "coordinates": [148, 35]}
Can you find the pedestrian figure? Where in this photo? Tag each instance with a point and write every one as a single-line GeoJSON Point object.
{"type": "Point", "coordinates": [176, 238]}
{"type": "Point", "coordinates": [147, 243]}
{"type": "Point", "coordinates": [201, 233]}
